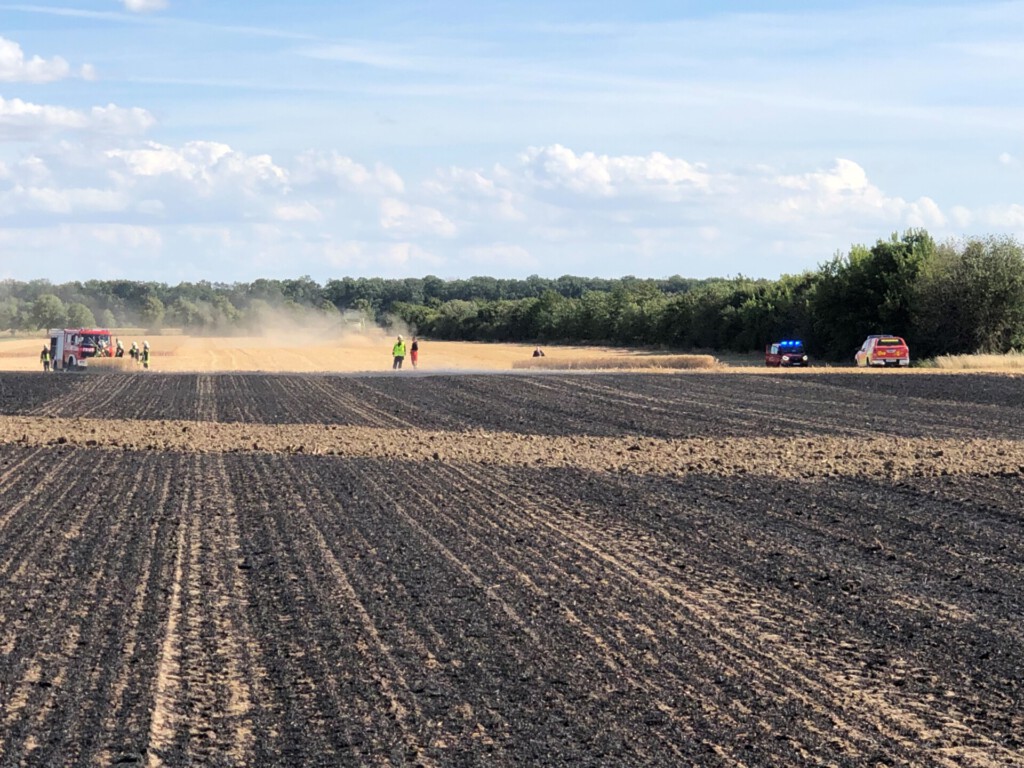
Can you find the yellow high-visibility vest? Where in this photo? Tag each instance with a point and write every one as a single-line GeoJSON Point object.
{"type": "Point", "coordinates": [399, 349]}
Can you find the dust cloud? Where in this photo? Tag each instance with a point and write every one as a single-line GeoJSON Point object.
{"type": "Point", "coordinates": [303, 327]}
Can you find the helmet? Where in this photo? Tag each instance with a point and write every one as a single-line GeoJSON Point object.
{"type": "Point", "coordinates": [399, 337]}
{"type": "Point", "coordinates": [145, 344]}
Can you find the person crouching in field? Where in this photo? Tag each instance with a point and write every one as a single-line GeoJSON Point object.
{"type": "Point", "coordinates": [398, 353]}
{"type": "Point", "coordinates": [414, 352]}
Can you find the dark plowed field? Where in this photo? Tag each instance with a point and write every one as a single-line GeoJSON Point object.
{"type": "Point", "coordinates": [244, 605]}
{"type": "Point", "coordinates": [672, 406]}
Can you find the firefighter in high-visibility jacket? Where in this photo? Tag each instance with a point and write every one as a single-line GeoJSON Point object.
{"type": "Point", "coordinates": [398, 353]}
{"type": "Point", "coordinates": [44, 358]}
{"type": "Point", "coordinates": [145, 355]}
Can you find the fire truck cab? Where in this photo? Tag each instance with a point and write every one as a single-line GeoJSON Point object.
{"type": "Point", "coordinates": [71, 348]}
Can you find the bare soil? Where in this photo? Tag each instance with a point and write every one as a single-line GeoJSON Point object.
{"type": "Point", "coordinates": [616, 569]}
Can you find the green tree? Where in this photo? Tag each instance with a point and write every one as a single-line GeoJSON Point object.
{"type": "Point", "coordinates": [869, 291]}
{"type": "Point", "coordinates": [48, 311]}
{"type": "Point", "coordinates": [107, 319]}
{"type": "Point", "coordinates": [152, 312]}
{"type": "Point", "coordinates": [8, 314]}
{"type": "Point", "coordinates": [971, 298]}
{"type": "Point", "coordinates": [80, 316]}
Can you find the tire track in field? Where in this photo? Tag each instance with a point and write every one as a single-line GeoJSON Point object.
{"type": "Point", "coordinates": [328, 667]}
{"type": "Point", "coordinates": [462, 735]}
{"type": "Point", "coordinates": [971, 538]}
{"type": "Point", "coordinates": [899, 725]}
{"type": "Point", "coordinates": [548, 564]}
{"type": "Point", "coordinates": [820, 405]}
{"type": "Point", "coordinates": [860, 655]}
{"type": "Point", "coordinates": [726, 408]}
{"type": "Point", "coordinates": [91, 394]}
{"type": "Point", "coordinates": [207, 688]}
{"type": "Point", "coordinates": [430, 642]}
{"type": "Point", "coordinates": [89, 556]}
{"type": "Point", "coordinates": [206, 398]}
{"type": "Point", "coordinates": [568, 566]}
{"type": "Point", "coordinates": [235, 398]}
{"type": "Point", "coordinates": [14, 471]}
{"type": "Point", "coordinates": [376, 653]}
{"type": "Point", "coordinates": [25, 690]}
{"type": "Point", "coordinates": [95, 623]}
{"type": "Point", "coordinates": [355, 402]}
{"type": "Point", "coordinates": [24, 522]}
{"type": "Point", "coordinates": [237, 645]}
{"type": "Point", "coordinates": [123, 727]}
{"type": "Point", "coordinates": [164, 719]}
{"type": "Point", "coordinates": [463, 550]}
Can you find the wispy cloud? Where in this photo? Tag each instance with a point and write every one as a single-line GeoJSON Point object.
{"type": "Point", "coordinates": [370, 56]}
{"type": "Point", "coordinates": [137, 16]}
{"type": "Point", "coordinates": [145, 6]}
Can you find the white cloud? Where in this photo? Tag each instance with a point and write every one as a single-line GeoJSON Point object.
{"type": "Point", "coordinates": [1007, 159]}
{"type": "Point", "coordinates": [145, 6]}
{"type": "Point", "coordinates": [304, 211]}
{"type": "Point", "coordinates": [223, 213]}
{"type": "Point", "coordinates": [656, 175]}
{"type": "Point", "coordinates": [15, 68]}
{"type": "Point", "coordinates": [24, 120]}
{"type": "Point", "coordinates": [206, 165]}
{"type": "Point", "coordinates": [1003, 216]}
{"type": "Point", "coordinates": [405, 219]}
{"type": "Point", "coordinates": [61, 201]}
{"type": "Point", "coordinates": [843, 191]}
{"type": "Point", "coordinates": [962, 216]}
{"type": "Point", "coordinates": [127, 236]}
{"type": "Point", "coordinates": [475, 194]}
{"type": "Point", "coordinates": [340, 172]}
{"type": "Point", "coordinates": [924, 213]}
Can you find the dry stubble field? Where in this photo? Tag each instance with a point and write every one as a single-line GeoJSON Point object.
{"type": "Point", "coordinates": [605, 569]}
{"type": "Point", "coordinates": [304, 351]}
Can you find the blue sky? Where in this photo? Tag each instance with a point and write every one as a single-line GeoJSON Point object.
{"type": "Point", "coordinates": [183, 140]}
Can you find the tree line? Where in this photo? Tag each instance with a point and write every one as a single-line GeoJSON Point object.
{"type": "Point", "coordinates": [945, 298]}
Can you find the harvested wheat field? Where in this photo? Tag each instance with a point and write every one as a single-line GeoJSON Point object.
{"type": "Point", "coordinates": [302, 351]}
{"type": "Point", "coordinates": [702, 569]}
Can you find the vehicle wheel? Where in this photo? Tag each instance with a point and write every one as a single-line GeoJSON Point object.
{"type": "Point", "coordinates": [71, 364]}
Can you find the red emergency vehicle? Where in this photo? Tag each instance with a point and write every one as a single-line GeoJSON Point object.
{"type": "Point", "coordinates": [882, 350]}
{"type": "Point", "coordinates": [71, 348]}
{"type": "Point", "coordinates": [785, 353]}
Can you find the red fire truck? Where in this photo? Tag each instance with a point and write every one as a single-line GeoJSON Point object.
{"type": "Point", "coordinates": [71, 348]}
